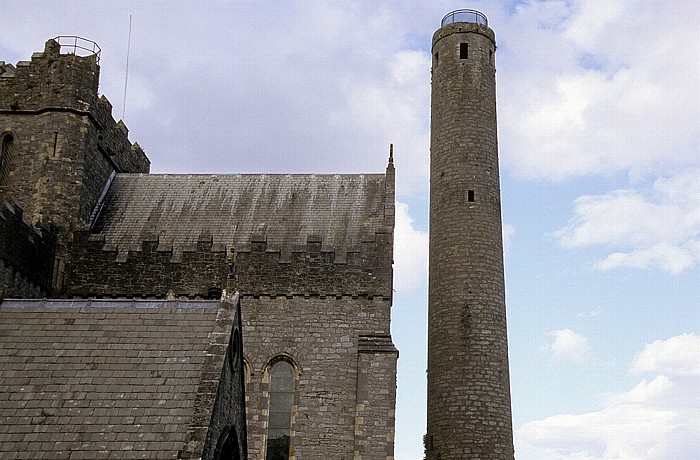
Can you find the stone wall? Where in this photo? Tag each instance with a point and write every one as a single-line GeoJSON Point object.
{"type": "Point", "coordinates": [66, 144]}
{"type": "Point", "coordinates": [26, 255]}
{"type": "Point", "coordinates": [226, 433]}
{"type": "Point", "coordinates": [376, 392]}
{"type": "Point", "coordinates": [469, 412]}
{"type": "Point", "coordinates": [309, 272]}
{"type": "Point", "coordinates": [344, 390]}
{"type": "Point", "coordinates": [149, 271]}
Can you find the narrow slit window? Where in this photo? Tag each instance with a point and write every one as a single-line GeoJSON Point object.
{"type": "Point", "coordinates": [470, 196]}
{"type": "Point", "coordinates": [5, 154]}
{"type": "Point", "coordinates": [464, 50]}
{"type": "Point", "coordinates": [437, 58]}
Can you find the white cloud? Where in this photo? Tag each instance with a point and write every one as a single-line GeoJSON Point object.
{"type": "Point", "coordinates": [656, 420]}
{"type": "Point", "coordinates": [662, 230]}
{"type": "Point", "coordinates": [508, 233]}
{"type": "Point", "coordinates": [320, 86]}
{"type": "Point", "coordinates": [410, 253]}
{"type": "Point", "coordinates": [569, 346]}
{"type": "Point", "coordinates": [622, 94]}
{"type": "Point", "coordinates": [326, 91]}
{"type": "Point", "coordinates": [674, 356]}
{"type": "Point", "coordinates": [395, 109]}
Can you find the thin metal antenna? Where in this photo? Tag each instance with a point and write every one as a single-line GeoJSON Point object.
{"type": "Point", "coordinates": [126, 74]}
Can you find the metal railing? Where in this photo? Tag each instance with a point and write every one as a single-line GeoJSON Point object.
{"type": "Point", "coordinates": [72, 44]}
{"type": "Point", "coordinates": [464, 16]}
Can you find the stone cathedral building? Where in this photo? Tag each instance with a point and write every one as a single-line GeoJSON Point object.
{"type": "Point", "coordinates": [239, 315]}
{"type": "Point", "coordinates": [119, 333]}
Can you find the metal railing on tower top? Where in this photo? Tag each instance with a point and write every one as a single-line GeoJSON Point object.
{"type": "Point", "coordinates": [464, 16]}
{"type": "Point", "coordinates": [72, 44]}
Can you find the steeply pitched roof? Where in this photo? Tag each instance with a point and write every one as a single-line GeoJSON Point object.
{"type": "Point", "coordinates": [102, 379]}
{"type": "Point", "coordinates": [286, 210]}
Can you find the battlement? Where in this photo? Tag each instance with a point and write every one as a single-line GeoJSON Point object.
{"type": "Point", "coordinates": [55, 81]}
{"type": "Point", "coordinates": [149, 271]}
{"type": "Point", "coordinates": [152, 269]}
{"type": "Point", "coordinates": [313, 271]}
{"type": "Point", "coordinates": [50, 79]}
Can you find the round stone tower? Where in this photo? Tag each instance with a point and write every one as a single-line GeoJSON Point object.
{"type": "Point", "coordinates": [469, 414]}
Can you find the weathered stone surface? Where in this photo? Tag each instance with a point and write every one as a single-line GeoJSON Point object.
{"type": "Point", "coordinates": [469, 415]}
{"type": "Point", "coordinates": [150, 271]}
{"type": "Point", "coordinates": [26, 254]}
{"type": "Point", "coordinates": [65, 142]}
{"type": "Point", "coordinates": [311, 256]}
{"type": "Point", "coordinates": [227, 422]}
{"type": "Point", "coordinates": [95, 379]}
{"type": "Point", "coordinates": [326, 340]}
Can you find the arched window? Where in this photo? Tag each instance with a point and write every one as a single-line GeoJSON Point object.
{"type": "Point", "coordinates": [5, 155]}
{"type": "Point", "coordinates": [279, 424]}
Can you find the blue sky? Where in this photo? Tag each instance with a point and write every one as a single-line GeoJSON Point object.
{"type": "Point", "coordinates": [598, 105]}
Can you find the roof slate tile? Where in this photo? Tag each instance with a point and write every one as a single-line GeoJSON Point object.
{"type": "Point", "coordinates": [229, 210]}
{"type": "Point", "coordinates": [86, 379]}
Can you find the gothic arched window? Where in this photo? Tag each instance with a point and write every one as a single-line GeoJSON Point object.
{"type": "Point", "coordinates": [5, 154]}
{"type": "Point", "coordinates": [280, 411]}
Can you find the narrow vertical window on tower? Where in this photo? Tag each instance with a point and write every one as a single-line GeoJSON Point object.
{"type": "Point", "coordinates": [279, 424]}
{"type": "Point", "coordinates": [5, 154]}
{"type": "Point", "coordinates": [464, 50]}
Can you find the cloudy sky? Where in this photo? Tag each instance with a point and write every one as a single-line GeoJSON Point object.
{"type": "Point", "coordinates": [599, 109]}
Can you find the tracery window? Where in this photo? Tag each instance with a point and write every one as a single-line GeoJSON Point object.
{"type": "Point", "coordinates": [280, 411]}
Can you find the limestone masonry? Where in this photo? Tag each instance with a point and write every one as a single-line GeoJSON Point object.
{"type": "Point", "coordinates": [469, 415]}
{"type": "Point", "coordinates": [212, 316]}
{"type": "Point", "coordinates": [139, 363]}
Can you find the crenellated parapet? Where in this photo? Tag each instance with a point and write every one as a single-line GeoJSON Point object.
{"type": "Point", "coordinates": [311, 271]}
{"type": "Point", "coordinates": [152, 269]}
{"type": "Point", "coordinates": [66, 82]}
{"type": "Point", "coordinates": [50, 80]}
{"type": "Point", "coordinates": [149, 270]}
{"type": "Point", "coordinates": [26, 254]}
{"type": "Point", "coordinates": [64, 143]}
{"type": "Point", "coordinates": [113, 141]}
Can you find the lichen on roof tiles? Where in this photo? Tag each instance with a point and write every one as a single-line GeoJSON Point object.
{"type": "Point", "coordinates": [101, 377]}
{"type": "Point", "coordinates": [286, 209]}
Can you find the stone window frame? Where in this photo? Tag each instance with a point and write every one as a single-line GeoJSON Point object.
{"type": "Point", "coordinates": [6, 154]}
{"type": "Point", "coordinates": [247, 376]}
{"type": "Point", "coordinates": [464, 50]}
{"type": "Point", "coordinates": [247, 370]}
{"type": "Point", "coordinates": [296, 374]}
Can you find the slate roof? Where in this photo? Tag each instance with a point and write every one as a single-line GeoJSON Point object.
{"type": "Point", "coordinates": [102, 379]}
{"type": "Point", "coordinates": [286, 210]}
